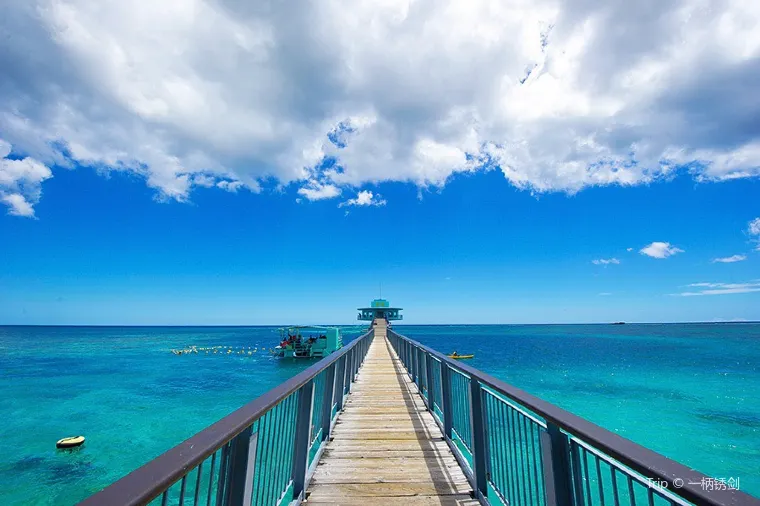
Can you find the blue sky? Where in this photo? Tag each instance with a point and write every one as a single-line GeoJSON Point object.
{"type": "Point", "coordinates": [237, 162]}
{"type": "Point", "coordinates": [102, 250]}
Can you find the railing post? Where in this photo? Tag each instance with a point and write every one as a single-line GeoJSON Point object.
{"type": "Point", "coordinates": [415, 367]}
{"type": "Point", "coordinates": [241, 467]}
{"type": "Point", "coordinates": [342, 382]}
{"type": "Point", "coordinates": [419, 368]}
{"type": "Point", "coordinates": [446, 400]}
{"type": "Point", "coordinates": [301, 445]}
{"type": "Point", "coordinates": [555, 450]}
{"type": "Point", "coordinates": [479, 439]}
{"type": "Point", "coordinates": [350, 379]}
{"type": "Point", "coordinates": [327, 402]}
{"type": "Point", "coordinates": [428, 382]}
{"type": "Point", "coordinates": [423, 371]}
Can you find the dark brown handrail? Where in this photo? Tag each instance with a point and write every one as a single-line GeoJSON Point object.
{"type": "Point", "coordinates": [148, 481]}
{"type": "Point", "coordinates": [639, 458]}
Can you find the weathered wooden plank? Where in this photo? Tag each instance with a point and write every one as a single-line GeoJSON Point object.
{"type": "Point", "coordinates": [356, 490]}
{"type": "Point", "coordinates": [395, 462]}
{"type": "Point", "coordinates": [379, 444]}
{"type": "Point", "coordinates": [422, 500]}
{"type": "Point", "coordinates": [361, 474]}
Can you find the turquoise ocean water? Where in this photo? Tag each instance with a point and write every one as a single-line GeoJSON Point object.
{"type": "Point", "coordinates": [691, 392]}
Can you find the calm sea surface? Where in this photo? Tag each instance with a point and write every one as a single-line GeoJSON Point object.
{"type": "Point", "coordinates": [691, 392]}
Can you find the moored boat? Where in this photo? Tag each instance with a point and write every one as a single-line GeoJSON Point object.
{"type": "Point", "coordinates": [308, 342]}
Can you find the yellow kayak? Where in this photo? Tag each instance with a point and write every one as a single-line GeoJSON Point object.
{"type": "Point", "coordinates": [70, 442]}
{"type": "Point", "coordinates": [460, 357]}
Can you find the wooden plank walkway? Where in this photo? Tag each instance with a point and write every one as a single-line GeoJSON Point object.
{"type": "Point", "coordinates": [386, 449]}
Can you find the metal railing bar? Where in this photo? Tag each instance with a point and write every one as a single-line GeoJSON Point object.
{"type": "Point", "coordinates": [536, 451]}
{"type": "Point", "coordinates": [182, 491]}
{"type": "Point", "coordinates": [615, 493]}
{"type": "Point", "coordinates": [263, 431]}
{"type": "Point", "coordinates": [631, 492]}
{"type": "Point", "coordinates": [586, 477]}
{"type": "Point", "coordinates": [271, 452]}
{"type": "Point", "coordinates": [506, 466]}
{"type": "Point", "coordinates": [211, 479]}
{"type": "Point", "coordinates": [276, 453]}
{"type": "Point", "coordinates": [599, 482]}
{"type": "Point", "coordinates": [289, 436]}
{"type": "Point", "coordinates": [223, 463]}
{"type": "Point", "coordinates": [198, 484]}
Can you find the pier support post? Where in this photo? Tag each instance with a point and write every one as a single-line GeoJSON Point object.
{"type": "Point", "coordinates": [302, 439]}
{"type": "Point", "coordinates": [555, 449]}
{"type": "Point", "coordinates": [479, 440]}
{"type": "Point", "coordinates": [327, 402]}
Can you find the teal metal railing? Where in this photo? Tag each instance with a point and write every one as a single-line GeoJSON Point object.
{"type": "Point", "coordinates": [519, 450]}
{"type": "Point", "coordinates": [265, 453]}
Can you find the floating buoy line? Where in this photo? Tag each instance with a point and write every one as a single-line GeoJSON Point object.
{"type": "Point", "coordinates": [220, 350]}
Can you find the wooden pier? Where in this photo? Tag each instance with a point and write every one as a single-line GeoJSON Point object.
{"type": "Point", "coordinates": [386, 448]}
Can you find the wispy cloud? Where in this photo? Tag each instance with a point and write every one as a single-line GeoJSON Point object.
{"type": "Point", "coordinates": [629, 249]}
{"type": "Point", "coordinates": [660, 250]}
{"type": "Point", "coordinates": [753, 229]}
{"type": "Point", "coordinates": [730, 260]}
{"type": "Point", "coordinates": [604, 294]}
{"type": "Point", "coordinates": [605, 261]}
{"type": "Point", "coordinates": [721, 288]}
{"type": "Point", "coordinates": [364, 198]}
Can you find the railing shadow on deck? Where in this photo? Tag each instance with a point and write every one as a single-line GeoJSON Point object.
{"type": "Point", "coordinates": [519, 450]}
{"type": "Point", "coordinates": [262, 454]}
{"type": "Point", "coordinates": [443, 479]}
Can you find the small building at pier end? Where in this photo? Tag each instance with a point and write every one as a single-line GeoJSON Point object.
{"type": "Point", "coordinates": [379, 308]}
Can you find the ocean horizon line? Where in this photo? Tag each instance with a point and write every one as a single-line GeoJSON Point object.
{"type": "Point", "coordinates": [85, 325]}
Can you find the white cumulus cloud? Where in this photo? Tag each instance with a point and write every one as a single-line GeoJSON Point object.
{"type": "Point", "coordinates": [605, 261]}
{"type": "Point", "coordinates": [660, 250]}
{"type": "Point", "coordinates": [558, 95]}
{"type": "Point", "coordinates": [364, 198]}
{"type": "Point", "coordinates": [20, 181]}
{"type": "Point", "coordinates": [730, 260]}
